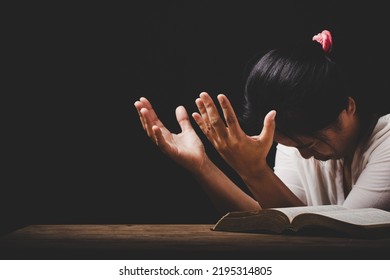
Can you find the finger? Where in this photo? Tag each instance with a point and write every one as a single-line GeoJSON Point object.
{"type": "Point", "coordinates": [202, 109]}
{"type": "Point", "coordinates": [206, 129]}
{"type": "Point", "coordinates": [268, 131]}
{"type": "Point", "coordinates": [148, 124]}
{"type": "Point", "coordinates": [203, 120]}
{"type": "Point", "coordinates": [139, 105]}
{"type": "Point", "coordinates": [183, 119]}
{"type": "Point", "coordinates": [160, 140]}
{"type": "Point", "coordinates": [146, 103]}
{"type": "Point", "coordinates": [229, 114]}
{"type": "Point", "coordinates": [213, 114]}
{"type": "Point", "coordinates": [152, 113]}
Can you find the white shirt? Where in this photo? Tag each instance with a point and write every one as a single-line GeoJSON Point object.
{"type": "Point", "coordinates": [317, 182]}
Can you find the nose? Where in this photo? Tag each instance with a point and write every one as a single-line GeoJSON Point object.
{"type": "Point", "coordinates": [305, 153]}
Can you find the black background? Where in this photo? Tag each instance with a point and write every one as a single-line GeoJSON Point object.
{"type": "Point", "coordinates": [77, 152]}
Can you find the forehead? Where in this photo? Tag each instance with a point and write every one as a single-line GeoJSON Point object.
{"type": "Point", "coordinates": [326, 134]}
{"type": "Point", "coordinates": [301, 141]}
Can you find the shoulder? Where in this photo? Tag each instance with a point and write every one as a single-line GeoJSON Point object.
{"type": "Point", "coordinates": [381, 132]}
{"type": "Point", "coordinates": [383, 124]}
{"type": "Point", "coordinates": [379, 142]}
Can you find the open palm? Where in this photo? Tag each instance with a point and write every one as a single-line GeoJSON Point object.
{"type": "Point", "coordinates": [185, 148]}
{"type": "Point", "coordinates": [244, 153]}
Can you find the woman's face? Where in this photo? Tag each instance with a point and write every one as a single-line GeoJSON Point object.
{"type": "Point", "coordinates": [335, 142]}
{"type": "Point", "coordinates": [331, 148]}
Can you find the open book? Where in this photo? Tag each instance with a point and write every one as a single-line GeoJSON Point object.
{"type": "Point", "coordinates": [322, 220]}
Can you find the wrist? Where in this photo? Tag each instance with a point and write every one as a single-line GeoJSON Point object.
{"type": "Point", "coordinates": [205, 166]}
{"type": "Point", "coordinates": [254, 172]}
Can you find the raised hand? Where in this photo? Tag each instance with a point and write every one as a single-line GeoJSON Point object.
{"type": "Point", "coordinates": [185, 147]}
{"type": "Point", "coordinates": [245, 154]}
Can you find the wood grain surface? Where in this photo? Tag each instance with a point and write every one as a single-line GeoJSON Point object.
{"type": "Point", "coordinates": [177, 241]}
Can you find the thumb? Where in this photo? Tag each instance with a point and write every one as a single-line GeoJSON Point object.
{"type": "Point", "coordinates": [267, 133]}
{"type": "Point", "coordinates": [183, 119]}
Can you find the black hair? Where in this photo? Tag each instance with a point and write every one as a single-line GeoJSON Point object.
{"type": "Point", "coordinates": [306, 87]}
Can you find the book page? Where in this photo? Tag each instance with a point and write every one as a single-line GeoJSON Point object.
{"type": "Point", "coordinates": [366, 217]}
{"type": "Point", "coordinates": [291, 212]}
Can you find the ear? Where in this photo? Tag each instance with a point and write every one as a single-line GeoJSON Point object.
{"type": "Point", "coordinates": [351, 107]}
{"type": "Point", "coordinates": [348, 116]}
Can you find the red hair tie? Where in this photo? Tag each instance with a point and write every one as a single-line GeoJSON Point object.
{"type": "Point", "coordinates": [325, 39]}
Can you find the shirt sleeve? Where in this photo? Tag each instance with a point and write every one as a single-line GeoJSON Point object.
{"type": "Point", "coordinates": [372, 187]}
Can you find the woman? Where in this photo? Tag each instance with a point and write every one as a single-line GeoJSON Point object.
{"type": "Point", "coordinates": [333, 147]}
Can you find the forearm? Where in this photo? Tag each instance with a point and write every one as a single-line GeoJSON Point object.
{"type": "Point", "coordinates": [223, 192]}
{"type": "Point", "coordinates": [269, 190]}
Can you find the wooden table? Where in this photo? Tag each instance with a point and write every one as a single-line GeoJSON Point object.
{"type": "Point", "coordinates": [177, 241]}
